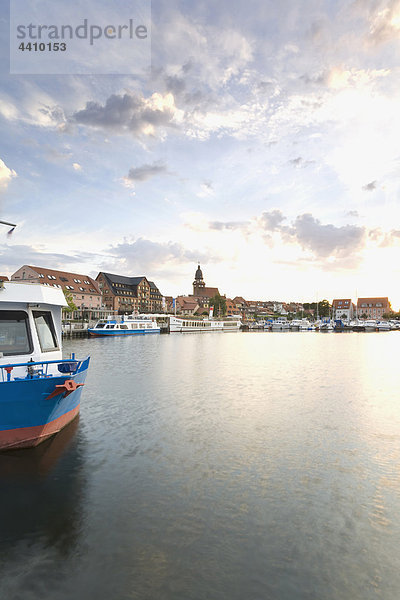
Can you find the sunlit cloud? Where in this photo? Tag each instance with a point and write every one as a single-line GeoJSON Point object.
{"type": "Point", "coordinates": [6, 175]}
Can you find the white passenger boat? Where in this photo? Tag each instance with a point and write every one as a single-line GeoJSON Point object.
{"type": "Point", "coordinates": [125, 325]}
{"type": "Point", "coordinates": [383, 326]}
{"type": "Point", "coordinates": [191, 325]}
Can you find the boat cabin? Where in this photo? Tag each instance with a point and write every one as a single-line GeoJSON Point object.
{"type": "Point", "coordinates": [30, 323]}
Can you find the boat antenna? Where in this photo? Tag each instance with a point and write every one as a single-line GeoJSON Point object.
{"type": "Point", "coordinates": [12, 225]}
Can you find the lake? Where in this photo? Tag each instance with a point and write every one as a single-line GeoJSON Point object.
{"type": "Point", "coordinates": [237, 466]}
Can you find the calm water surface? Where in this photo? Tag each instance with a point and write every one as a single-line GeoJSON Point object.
{"type": "Point", "coordinates": [240, 466]}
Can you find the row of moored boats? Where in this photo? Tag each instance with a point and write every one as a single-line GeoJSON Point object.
{"type": "Point", "coordinates": [326, 325]}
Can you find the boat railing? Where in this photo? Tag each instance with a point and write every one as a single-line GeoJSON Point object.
{"type": "Point", "coordinates": [39, 369]}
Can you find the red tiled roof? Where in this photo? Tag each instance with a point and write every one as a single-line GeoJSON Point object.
{"type": "Point", "coordinates": [206, 292]}
{"type": "Point", "coordinates": [65, 278]}
{"type": "Point", "coordinates": [344, 303]}
{"type": "Point", "coordinates": [384, 301]}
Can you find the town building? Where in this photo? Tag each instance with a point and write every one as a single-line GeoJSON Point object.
{"type": "Point", "coordinates": [231, 308]}
{"type": "Point", "coordinates": [343, 309]}
{"type": "Point", "coordinates": [186, 305]}
{"type": "Point", "coordinates": [82, 289]}
{"type": "Point", "coordinates": [373, 308]}
{"type": "Point", "coordinates": [168, 304]}
{"type": "Point", "coordinates": [129, 294]}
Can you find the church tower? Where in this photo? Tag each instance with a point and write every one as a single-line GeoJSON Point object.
{"type": "Point", "coordinates": [198, 282]}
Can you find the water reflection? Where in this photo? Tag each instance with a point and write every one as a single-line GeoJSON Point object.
{"type": "Point", "coordinates": [41, 498]}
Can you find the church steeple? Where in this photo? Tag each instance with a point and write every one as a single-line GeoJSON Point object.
{"type": "Point", "coordinates": [198, 280]}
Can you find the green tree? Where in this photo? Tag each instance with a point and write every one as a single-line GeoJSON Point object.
{"type": "Point", "coordinates": [324, 308]}
{"type": "Point", "coordinates": [71, 304]}
{"type": "Point", "coordinates": [219, 304]}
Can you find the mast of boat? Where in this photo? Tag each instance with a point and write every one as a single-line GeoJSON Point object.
{"type": "Point", "coordinates": [356, 308]}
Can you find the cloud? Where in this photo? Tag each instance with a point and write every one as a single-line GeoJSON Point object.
{"type": "Point", "coordinates": [145, 172]}
{"type": "Point", "coordinates": [271, 221]}
{"type": "Point", "coordinates": [12, 257]}
{"type": "Point", "coordinates": [33, 107]}
{"type": "Point", "coordinates": [76, 167]}
{"type": "Point", "coordinates": [145, 256]}
{"type": "Point", "coordinates": [384, 239]}
{"type": "Point", "coordinates": [327, 240]}
{"type": "Point", "coordinates": [206, 190]}
{"type": "Point", "coordinates": [324, 241]}
{"type": "Point", "coordinates": [6, 175]}
{"type": "Point", "coordinates": [299, 162]}
{"type": "Point", "coordinates": [130, 113]}
{"type": "Point", "coordinates": [384, 21]}
{"type": "Point", "coordinates": [212, 53]}
{"type": "Point", "coordinates": [230, 225]}
{"type": "Point", "coordinates": [369, 187]}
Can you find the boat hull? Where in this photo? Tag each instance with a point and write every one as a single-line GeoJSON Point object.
{"type": "Point", "coordinates": [28, 413]}
{"type": "Point", "coordinates": [109, 333]}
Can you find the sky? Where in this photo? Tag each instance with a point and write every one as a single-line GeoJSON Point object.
{"type": "Point", "coordinates": [262, 142]}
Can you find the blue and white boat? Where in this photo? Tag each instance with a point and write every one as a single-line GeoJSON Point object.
{"type": "Point", "coordinates": [40, 391]}
{"type": "Point", "coordinates": [125, 325]}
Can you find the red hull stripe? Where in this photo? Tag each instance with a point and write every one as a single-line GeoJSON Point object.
{"type": "Point", "coordinates": [26, 437]}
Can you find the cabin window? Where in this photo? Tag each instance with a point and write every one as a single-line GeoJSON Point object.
{"type": "Point", "coordinates": [45, 330]}
{"type": "Point", "coordinates": [15, 335]}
